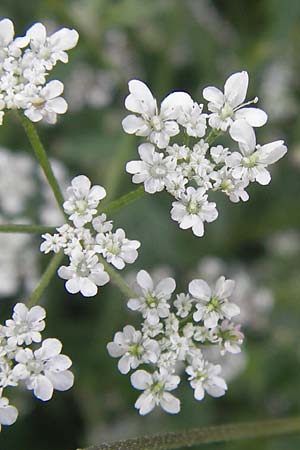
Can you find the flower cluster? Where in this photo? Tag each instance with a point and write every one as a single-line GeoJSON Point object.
{"type": "Point", "coordinates": [190, 167]}
{"type": "Point", "coordinates": [41, 369]}
{"type": "Point", "coordinates": [174, 335]}
{"type": "Point", "coordinates": [89, 239]}
{"type": "Point", "coordinates": [25, 63]}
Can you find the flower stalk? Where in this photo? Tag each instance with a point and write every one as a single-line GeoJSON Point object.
{"type": "Point", "coordinates": [205, 435]}
{"type": "Point", "coordinates": [42, 158]}
{"type": "Point", "coordinates": [45, 279]}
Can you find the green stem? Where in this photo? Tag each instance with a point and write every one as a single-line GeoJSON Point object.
{"type": "Point", "coordinates": [25, 228]}
{"type": "Point", "coordinates": [42, 158]}
{"type": "Point", "coordinates": [117, 279]}
{"type": "Point", "coordinates": [214, 133]}
{"type": "Point", "coordinates": [122, 201]}
{"type": "Point", "coordinates": [45, 280]}
{"type": "Point", "coordinates": [207, 435]}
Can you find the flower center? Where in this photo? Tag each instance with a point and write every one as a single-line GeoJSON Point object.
{"type": "Point", "coordinates": [193, 207]}
{"type": "Point", "coordinates": [226, 111]}
{"type": "Point", "coordinates": [151, 301]}
{"type": "Point", "coordinates": [158, 171]}
{"type": "Point", "coordinates": [249, 161]}
{"type": "Point", "coordinates": [81, 206]}
{"type": "Point", "coordinates": [156, 123]}
{"type": "Point", "coordinates": [82, 269]}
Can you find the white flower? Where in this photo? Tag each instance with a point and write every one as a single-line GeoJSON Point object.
{"type": "Point", "coordinates": [157, 126]}
{"type": "Point", "coordinates": [101, 225]}
{"type": "Point", "coordinates": [53, 48]}
{"type": "Point", "coordinates": [175, 184]}
{"type": "Point", "coordinates": [224, 181]}
{"type": "Point", "coordinates": [25, 325]}
{"type": "Point", "coordinates": [192, 119]}
{"type": "Point", "coordinates": [204, 376]}
{"type": "Point", "coordinates": [178, 152]}
{"type": "Point", "coordinates": [228, 106]}
{"type": "Point", "coordinates": [153, 303]}
{"type": "Point", "coordinates": [52, 243]}
{"type": "Point", "coordinates": [84, 274]}
{"type": "Point", "coordinates": [8, 413]}
{"type": "Point", "coordinates": [152, 170]}
{"type": "Point", "coordinates": [183, 304]}
{"type": "Point", "coordinates": [133, 349]}
{"type": "Point", "coordinates": [251, 163]}
{"type": "Point", "coordinates": [229, 336]}
{"type": "Point", "coordinates": [193, 209]}
{"type": "Point", "coordinates": [44, 103]}
{"type": "Point", "coordinates": [156, 389]}
{"type": "Point", "coordinates": [117, 249]}
{"type": "Point", "coordinates": [213, 305]}
{"type": "Point", "coordinates": [83, 200]}
{"type": "Point", "coordinates": [45, 369]}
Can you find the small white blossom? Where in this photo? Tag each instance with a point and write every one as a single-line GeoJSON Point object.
{"type": "Point", "coordinates": [156, 389]}
{"type": "Point", "coordinates": [117, 249]}
{"type": "Point", "coordinates": [152, 170]}
{"type": "Point", "coordinates": [183, 304]}
{"type": "Point", "coordinates": [101, 225]}
{"type": "Point", "coordinates": [153, 303]}
{"type": "Point", "coordinates": [228, 106]}
{"type": "Point", "coordinates": [193, 120]}
{"type": "Point", "coordinates": [251, 163]}
{"type": "Point", "coordinates": [193, 209]}
{"type": "Point", "coordinates": [133, 349]}
{"type": "Point", "coordinates": [204, 376]}
{"type": "Point", "coordinates": [213, 305]}
{"type": "Point", "coordinates": [52, 243]}
{"type": "Point", "coordinates": [25, 325]}
{"type": "Point", "coordinates": [84, 274]}
{"type": "Point", "coordinates": [83, 200]}
{"type": "Point", "coordinates": [157, 126]}
{"type": "Point", "coordinates": [45, 369]}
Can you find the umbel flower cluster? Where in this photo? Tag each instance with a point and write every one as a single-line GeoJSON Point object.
{"type": "Point", "coordinates": [174, 336]}
{"type": "Point", "coordinates": [188, 166]}
{"type": "Point", "coordinates": [25, 63]}
{"type": "Point", "coordinates": [90, 238]}
{"type": "Point", "coordinates": [26, 359]}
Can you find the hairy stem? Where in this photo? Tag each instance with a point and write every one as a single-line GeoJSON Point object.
{"type": "Point", "coordinates": [123, 201]}
{"type": "Point", "coordinates": [42, 158]}
{"type": "Point", "coordinates": [117, 279]}
{"type": "Point", "coordinates": [45, 279]}
{"type": "Point", "coordinates": [214, 434]}
{"type": "Point", "coordinates": [25, 228]}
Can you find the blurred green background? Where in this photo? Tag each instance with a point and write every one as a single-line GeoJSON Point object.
{"type": "Point", "coordinates": [183, 45]}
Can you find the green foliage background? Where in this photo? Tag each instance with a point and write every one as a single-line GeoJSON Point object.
{"type": "Point", "coordinates": [183, 45]}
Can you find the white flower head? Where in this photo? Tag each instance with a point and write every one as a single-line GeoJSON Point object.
{"type": "Point", "coordinates": [45, 369]}
{"type": "Point", "coordinates": [251, 164]}
{"type": "Point", "coordinates": [193, 209]}
{"type": "Point", "coordinates": [84, 274]}
{"type": "Point", "coordinates": [204, 377]}
{"type": "Point", "coordinates": [192, 119]}
{"type": "Point", "coordinates": [156, 389]}
{"type": "Point", "coordinates": [83, 200]}
{"type": "Point", "coordinates": [117, 249]}
{"type": "Point", "coordinates": [158, 126]}
{"type": "Point", "coordinates": [133, 349]}
{"type": "Point", "coordinates": [153, 303]}
{"type": "Point", "coordinates": [213, 305]}
{"type": "Point", "coordinates": [152, 169]}
{"type": "Point", "coordinates": [25, 325]}
{"type": "Point", "coordinates": [44, 103]}
{"type": "Point", "coordinates": [229, 106]}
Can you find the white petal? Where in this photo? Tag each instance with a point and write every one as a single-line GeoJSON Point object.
{"type": "Point", "coordinates": [171, 104]}
{"type": "Point", "coordinates": [214, 95]}
{"type": "Point", "coordinates": [88, 288]}
{"type": "Point", "coordinates": [170, 403]}
{"type": "Point", "coordinates": [272, 152]}
{"type": "Point", "coordinates": [166, 287]}
{"type": "Point", "coordinates": [37, 32]}
{"type": "Point", "coordinates": [8, 415]}
{"type": "Point", "coordinates": [144, 280]}
{"type": "Point", "coordinates": [263, 177]}
{"type": "Point", "coordinates": [145, 403]}
{"type": "Point", "coordinates": [6, 32]}
{"type": "Point", "coordinates": [50, 347]}
{"type": "Point", "coordinates": [43, 388]}
{"type": "Point", "coordinates": [131, 124]}
{"type": "Point", "coordinates": [230, 309]}
{"type": "Point", "coordinates": [235, 88]}
{"type": "Point", "coordinates": [53, 89]}
{"type": "Point", "coordinates": [224, 288]}
{"type": "Point", "coordinates": [200, 290]}
{"type": "Point", "coordinates": [64, 39]}
{"type": "Point", "coordinates": [141, 379]}
{"type": "Point", "coordinates": [61, 381]}
{"type": "Point", "coordinates": [242, 132]}
{"type": "Point", "coordinates": [254, 116]}
{"type": "Point", "coordinates": [72, 285]}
